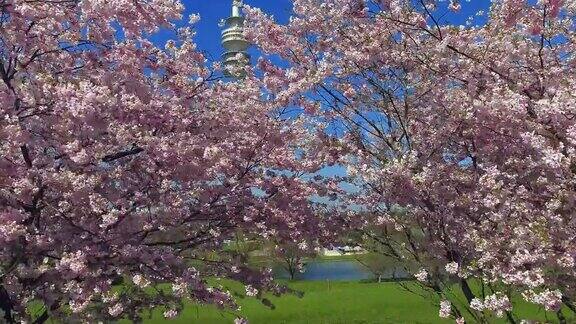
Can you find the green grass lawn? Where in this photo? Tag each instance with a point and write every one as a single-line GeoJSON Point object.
{"type": "Point", "coordinates": [324, 303]}
{"type": "Point", "coordinates": [335, 303]}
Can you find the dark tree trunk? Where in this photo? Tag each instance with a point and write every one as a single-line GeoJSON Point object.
{"type": "Point", "coordinates": [466, 290]}
{"type": "Point", "coordinates": [6, 305]}
{"type": "Point", "coordinates": [292, 271]}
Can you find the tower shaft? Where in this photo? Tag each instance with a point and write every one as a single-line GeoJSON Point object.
{"type": "Point", "coordinates": [235, 44]}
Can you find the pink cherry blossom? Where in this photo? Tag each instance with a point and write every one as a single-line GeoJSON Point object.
{"type": "Point", "coordinates": [122, 159]}
{"type": "Point", "coordinates": [240, 321]}
{"type": "Point", "coordinates": [116, 310]}
{"type": "Point", "coordinates": [445, 309]}
{"type": "Point", "coordinates": [170, 313]}
{"type": "Point", "coordinates": [421, 275]}
{"type": "Point", "coordinates": [452, 268]}
{"type": "Point", "coordinates": [459, 141]}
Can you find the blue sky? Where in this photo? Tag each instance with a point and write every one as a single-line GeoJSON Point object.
{"type": "Point", "coordinates": [212, 11]}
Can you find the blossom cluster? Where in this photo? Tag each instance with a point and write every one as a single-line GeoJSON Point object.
{"type": "Point", "coordinates": [459, 141]}
{"type": "Point", "coordinates": [121, 160]}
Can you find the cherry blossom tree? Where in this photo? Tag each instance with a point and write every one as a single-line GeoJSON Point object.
{"type": "Point", "coordinates": [124, 165]}
{"type": "Point", "coordinates": [460, 140]}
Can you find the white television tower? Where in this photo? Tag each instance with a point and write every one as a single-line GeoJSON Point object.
{"type": "Point", "coordinates": [234, 43]}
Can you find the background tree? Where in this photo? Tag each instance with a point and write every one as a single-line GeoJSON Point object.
{"type": "Point", "coordinates": [459, 139]}
{"type": "Point", "coordinates": [291, 257]}
{"type": "Point", "coordinates": [123, 165]}
{"type": "Point", "coordinates": [377, 258]}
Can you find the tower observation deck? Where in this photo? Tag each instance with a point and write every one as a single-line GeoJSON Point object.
{"type": "Point", "coordinates": [235, 44]}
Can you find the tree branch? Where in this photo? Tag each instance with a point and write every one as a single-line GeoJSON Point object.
{"type": "Point", "coordinates": [122, 154]}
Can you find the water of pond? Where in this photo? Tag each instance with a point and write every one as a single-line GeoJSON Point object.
{"type": "Point", "coordinates": [337, 270]}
